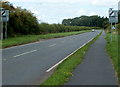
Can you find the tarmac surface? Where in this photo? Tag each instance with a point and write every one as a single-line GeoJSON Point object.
{"type": "Point", "coordinates": [27, 64]}
{"type": "Point", "coordinates": [96, 68]}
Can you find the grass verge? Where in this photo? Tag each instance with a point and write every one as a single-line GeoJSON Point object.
{"type": "Point", "coordinates": [64, 70]}
{"type": "Point", "coordinates": [32, 38]}
{"type": "Point", "coordinates": [112, 49]}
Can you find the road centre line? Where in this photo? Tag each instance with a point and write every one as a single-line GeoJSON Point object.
{"type": "Point", "coordinates": [4, 59]}
{"type": "Point", "coordinates": [68, 56]}
{"type": "Point", "coordinates": [63, 41]}
{"type": "Point", "coordinates": [25, 53]}
{"type": "Point", "coordinates": [52, 45]}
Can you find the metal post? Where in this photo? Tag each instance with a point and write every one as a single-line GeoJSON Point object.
{"type": "Point", "coordinates": [5, 30]}
{"type": "Point", "coordinates": [111, 32]}
{"type": "Point", "coordinates": [1, 26]}
{"type": "Point", "coordinates": [116, 31]}
{"type": "Point", "coordinates": [1, 30]}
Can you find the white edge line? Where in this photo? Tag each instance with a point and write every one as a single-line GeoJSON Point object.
{"type": "Point", "coordinates": [68, 56]}
{"type": "Point", "coordinates": [25, 53]}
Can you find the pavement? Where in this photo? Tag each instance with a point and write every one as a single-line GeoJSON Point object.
{"type": "Point", "coordinates": [96, 68]}
{"type": "Point", "coordinates": [27, 64]}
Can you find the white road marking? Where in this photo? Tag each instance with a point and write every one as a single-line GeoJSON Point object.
{"type": "Point", "coordinates": [22, 45]}
{"type": "Point", "coordinates": [25, 53]}
{"type": "Point", "coordinates": [63, 41]}
{"type": "Point", "coordinates": [68, 56]}
{"type": "Point", "coordinates": [4, 59]}
{"type": "Point", "coordinates": [52, 45]}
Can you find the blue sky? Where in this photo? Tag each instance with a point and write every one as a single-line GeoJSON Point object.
{"type": "Point", "coordinates": [54, 11]}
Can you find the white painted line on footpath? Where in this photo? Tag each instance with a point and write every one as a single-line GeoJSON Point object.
{"type": "Point", "coordinates": [68, 56]}
{"type": "Point", "coordinates": [25, 53]}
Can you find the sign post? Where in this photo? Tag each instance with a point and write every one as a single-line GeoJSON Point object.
{"type": "Point", "coordinates": [1, 27]}
{"type": "Point", "coordinates": [113, 18]}
{"type": "Point", "coordinates": [4, 16]}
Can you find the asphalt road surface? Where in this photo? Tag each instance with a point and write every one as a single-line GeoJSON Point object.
{"type": "Point", "coordinates": [96, 68]}
{"type": "Point", "coordinates": [25, 64]}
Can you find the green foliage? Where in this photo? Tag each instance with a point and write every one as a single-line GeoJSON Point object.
{"type": "Point", "coordinates": [56, 28]}
{"type": "Point", "coordinates": [113, 50]}
{"type": "Point", "coordinates": [91, 21]}
{"type": "Point", "coordinates": [21, 21]}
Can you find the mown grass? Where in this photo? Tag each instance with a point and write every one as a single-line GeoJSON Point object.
{"type": "Point", "coordinates": [112, 49]}
{"type": "Point", "coordinates": [64, 70]}
{"type": "Point", "coordinates": [32, 38]}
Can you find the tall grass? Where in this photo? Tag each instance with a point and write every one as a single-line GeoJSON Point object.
{"type": "Point", "coordinates": [113, 48]}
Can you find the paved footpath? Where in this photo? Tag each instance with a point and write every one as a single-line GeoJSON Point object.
{"type": "Point", "coordinates": [96, 68]}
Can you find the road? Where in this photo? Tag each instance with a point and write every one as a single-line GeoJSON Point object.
{"type": "Point", "coordinates": [96, 68]}
{"type": "Point", "coordinates": [25, 64]}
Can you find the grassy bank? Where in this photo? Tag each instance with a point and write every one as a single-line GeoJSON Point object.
{"type": "Point", "coordinates": [32, 38]}
{"type": "Point", "coordinates": [112, 49]}
{"type": "Point", "coordinates": [64, 70]}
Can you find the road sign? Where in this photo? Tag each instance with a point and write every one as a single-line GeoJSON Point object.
{"type": "Point", "coordinates": [111, 13]}
{"type": "Point", "coordinates": [113, 27]}
{"type": "Point", "coordinates": [5, 15]}
{"type": "Point", "coordinates": [113, 16]}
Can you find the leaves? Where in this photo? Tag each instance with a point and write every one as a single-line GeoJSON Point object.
{"type": "Point", "coordinates": [91, 21]}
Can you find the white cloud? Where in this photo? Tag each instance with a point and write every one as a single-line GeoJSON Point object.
{"type": "Point", "coordinates": [86, 12]}
{"type": "Point", "coordinates": [56, 10]}
{"type": "Point", "coordinates": [81, 12]}
{"type": "Point", "coordinates": [104, 2]}
{"type": "Point", "coordinates": [93, 13]}
{"type": "Point", "coordinates": [71, 1]}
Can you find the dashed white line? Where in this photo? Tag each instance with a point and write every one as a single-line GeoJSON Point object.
{"type": "Point", "coordinates": [4, 59]}
{"type": "Point", "coordinates": [25, 53]}
{"type": "Point", "coordinates": [67, 56]}
{"type": "Point", "coordinates": [52, 45]}
{"type": "Point", "coordinates": [63, 41]}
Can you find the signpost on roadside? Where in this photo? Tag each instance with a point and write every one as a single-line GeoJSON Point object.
{"type": "Point", "coordinates": [113, 18]}
{"type": "Point", "coordinates": [4, 17]}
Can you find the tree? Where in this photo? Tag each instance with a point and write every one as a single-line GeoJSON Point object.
{"type": "Point", "coordinates": [21, 21]}
{"type": "Point", "coordinates": [91, 21]}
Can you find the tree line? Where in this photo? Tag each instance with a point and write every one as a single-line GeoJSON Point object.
{"type": "Point", "coordinates": [90, 21]}
{"type": "Point", "coordinates": [24, 22]}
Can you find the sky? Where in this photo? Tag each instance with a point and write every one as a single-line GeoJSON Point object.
{"type": "Point", "coordinates": [54, 11]}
